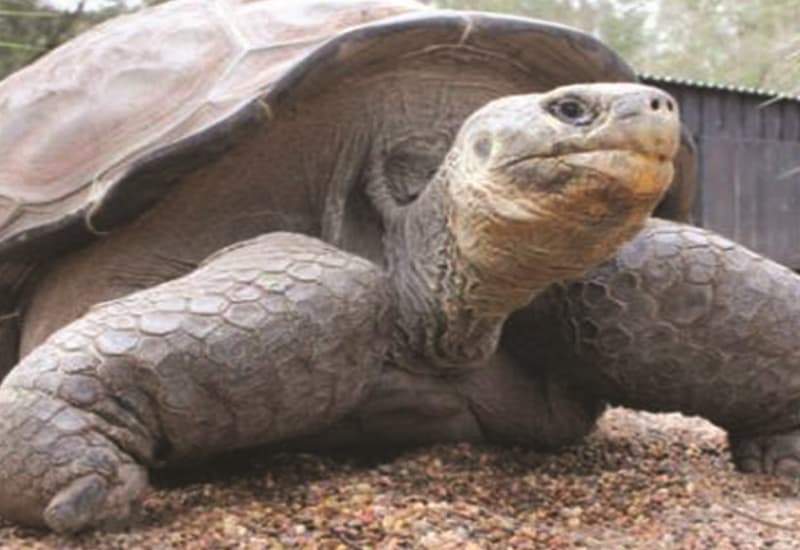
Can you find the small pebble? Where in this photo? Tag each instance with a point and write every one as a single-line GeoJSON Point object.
{"type": "Point", "coordinates": [641, 481]}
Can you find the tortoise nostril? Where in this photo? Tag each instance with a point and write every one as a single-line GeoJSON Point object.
{"type": "Point", "coordinates": [670, 106]}
{"type": "Point", "coordinates": [655, 104]}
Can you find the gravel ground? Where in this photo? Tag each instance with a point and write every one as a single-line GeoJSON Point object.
{"type": "Point", "coordinates": [640, 481]}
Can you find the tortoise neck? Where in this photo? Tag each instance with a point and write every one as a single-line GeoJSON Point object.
{"type": "Point", "coordinates": [450, 314]}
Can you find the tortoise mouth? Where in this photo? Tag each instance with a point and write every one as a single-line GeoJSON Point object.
{"type": "Point", "coordinates": [659, 157]}
{"type": "Point", "coordinates": [645, 173]}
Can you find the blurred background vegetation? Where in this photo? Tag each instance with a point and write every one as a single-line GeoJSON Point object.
{"type": "Point", "coordinates": [754, 43]}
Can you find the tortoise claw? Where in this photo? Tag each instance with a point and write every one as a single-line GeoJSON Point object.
{"type": "Point", "coordinates": [775, 454]}
{"type": "Point", "coordinates": [90, 501]}
{"type": "Point", "coordinates": [73, 508]}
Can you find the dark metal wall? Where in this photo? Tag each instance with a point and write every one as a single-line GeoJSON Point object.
{"type": "Point", "coordinates": [749, 165]}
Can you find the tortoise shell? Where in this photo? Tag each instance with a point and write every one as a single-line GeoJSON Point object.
{"type": "Point", "coordinates": [98, 130]}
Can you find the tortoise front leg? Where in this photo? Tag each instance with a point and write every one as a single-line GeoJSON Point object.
{"type": "Point", "coordinates": [271, 338]}
{"type": "Point", "coordinates": [682, 320]}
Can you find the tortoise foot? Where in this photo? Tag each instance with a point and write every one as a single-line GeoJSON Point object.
{"type": "Point", "coordinates": [92, 501]}
{"type": "Point", "coordinates": [62, 467]}
{"type": "Point", "coordinates": [775, 454]}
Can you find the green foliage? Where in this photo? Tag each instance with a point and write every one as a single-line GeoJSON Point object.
{"type": "Point", "coordinates": [23, 32]}
{"type": "Point", "coordinates": [746, 42]}
{"type": "Point", "coordinates": [30, 28]}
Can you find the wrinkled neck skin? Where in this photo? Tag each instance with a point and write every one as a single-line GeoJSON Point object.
{"type": "Point", "coordinates": [436, 322]}
{"type": "Point", "coordinates": [450, 311]}
{"type": "Point", "coordinates": [462, 258]}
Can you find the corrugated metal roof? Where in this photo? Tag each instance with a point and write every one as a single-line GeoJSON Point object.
{"type": "Point", "coordinates": [768, 95]}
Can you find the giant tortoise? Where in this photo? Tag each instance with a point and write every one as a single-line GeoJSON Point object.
{"type": "Point", "coordinates": [351, 223]}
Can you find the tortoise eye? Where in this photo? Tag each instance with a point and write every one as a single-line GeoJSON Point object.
{"type": "Point", "coordinates": [572, 111]}
{"type": "Point", "coordinates": [482, 147]}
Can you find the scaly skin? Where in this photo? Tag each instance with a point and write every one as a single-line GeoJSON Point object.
{"type": "Point", "coordinates": [682, 320]}
{"type": "Point", "coordinates": [236, 354]}
{"type": "Point", "coordinates": [279, 337]}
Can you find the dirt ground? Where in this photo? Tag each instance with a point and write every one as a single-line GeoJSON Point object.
{"type": "Point", "coordinates": [640, 481]}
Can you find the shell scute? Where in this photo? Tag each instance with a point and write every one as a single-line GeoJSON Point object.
{"type": "Point", "coordinates": [79, 120]}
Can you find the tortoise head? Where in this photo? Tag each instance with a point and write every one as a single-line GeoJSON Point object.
{"type": "Point", "coordinates": [543, 187]}
{"type": "Point", "coordinates": [535, 189]}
